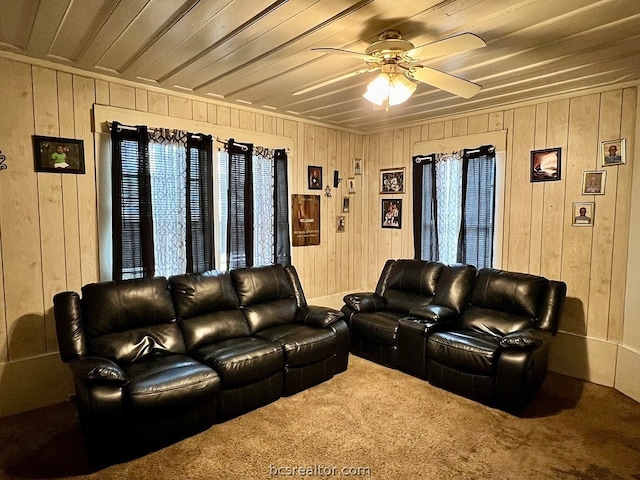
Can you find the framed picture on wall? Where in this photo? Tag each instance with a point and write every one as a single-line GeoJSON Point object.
{"type": "Point", "coordinates": [391, 213]}
{"type": "Point", "coordinates": [346, 204]}
{"type": "Point", "coordinates": [58, 155]}
{"type": "Point", "coordinates": [593, 182]}
{"type": "Point", "coordinates": [315, 177]}
{"type": "Point", "coordinates": [613, 152]}
{"type": "Point", "coordinates": [340, 224]}
{"type": "Point", "coordinates": [357, 166]}
{"type": "Point", "coordinates": [583, 214]}
{"type": "Point", "coordinates": [392, 180]}
{"type": "Point", "coordinates": [545, 164]}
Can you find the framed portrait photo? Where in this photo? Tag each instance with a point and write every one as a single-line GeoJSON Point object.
{"type": "Point", "coordinates": [340, 224]}
{"type": "Point", "coordinates": [346, 203]}
{"type": "Point", "coordinates": [392, 180]}
{"type": "Point", "coordinates": [593, 182]}
{"type": "Point", "coordinates": [613, 152]}
{"type": "Point", "coordinates": [545, 164]}
{"type": "Point", "coordinates": [58, 155]}
{"type": "Point", "coordinates": [314, 174]}
{"type": "Point", "coordinates": [583, 214]}
{"type": "Point", "coordinates": [357, 166]}
{"type": "Point", "coordinates": [391, 213]}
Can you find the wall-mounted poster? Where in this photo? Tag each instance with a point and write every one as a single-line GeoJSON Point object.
{"type": "Point", "coordinates": [305, 220]}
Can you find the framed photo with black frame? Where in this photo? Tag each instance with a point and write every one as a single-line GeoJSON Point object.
{"type": "Point", "coordinates": [546, 165]}
{"type": "Point", "coordinates": [391, 213]}
{"type": "Point", "coordinates": [58, 155]}
{"type": "Point", "coordinates": [392, 180]}
{"type": "Point", "coordinates": [315, 177]}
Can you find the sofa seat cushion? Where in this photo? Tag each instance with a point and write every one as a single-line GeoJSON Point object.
{"type": "Point", "coordinates": [376, 327]}
{"type": "Point", "coordinates": [465, 350]}
{"type": "Point", "coordinates": [164, 383]}
{"type": "Point", "coordinates": [302, 344]}
{"type": "Point", "coordinates": [242, 360]}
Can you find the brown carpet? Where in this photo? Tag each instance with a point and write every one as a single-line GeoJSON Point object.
{"type": "Point", "coordinates": [381, 421]}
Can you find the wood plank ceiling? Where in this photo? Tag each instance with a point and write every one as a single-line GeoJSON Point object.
{"type": "Point", "coordinates": [258, 52]}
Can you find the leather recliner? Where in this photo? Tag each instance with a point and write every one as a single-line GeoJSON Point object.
{"type": "Point", "coordinates": [497, 351]}
{"type": "Point", "coordinates": [134, 383]}
{"type": "Point", "coordinates": [406, 288]}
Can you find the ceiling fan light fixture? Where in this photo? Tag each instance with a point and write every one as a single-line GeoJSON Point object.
{"type": "Point", "coordinates": [389, 88]}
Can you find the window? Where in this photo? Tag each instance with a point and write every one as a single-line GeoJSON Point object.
{"type": "Point", "coordinates": [162, 200]}
{"type": "Point", "coordinates": [454, 206]}
{"type": "Point", "coordinates": [168, 193]}
{"type": "Point", "coordinates": [258, 217]}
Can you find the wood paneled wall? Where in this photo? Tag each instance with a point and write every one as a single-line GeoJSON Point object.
{"type": "Point", "coordinates": [538, 235]}
{"type": "Point", "coordinates": [48, 221]}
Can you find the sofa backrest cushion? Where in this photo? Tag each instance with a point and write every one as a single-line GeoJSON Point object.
{"type": "Point", "coordinates": [207, 307]}
{"type": "Point", "coordinates": [455, 286]}
{"type": "Point", "coordinates": [128, 319]}
{"type": "Point", "coordinates": [266, 297]}
{"type": "Point", "coordinates": [411, 283]}
{"type": "Point", "coordinates": [503, 302]}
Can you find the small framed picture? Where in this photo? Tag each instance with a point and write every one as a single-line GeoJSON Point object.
{"type": "Point", "coordinates": [593, 182]}
{"type": "Point", "coordinates": [340, 224]}
{"type": "Point", "coordinates": [58, 155]}
{"type": "Point", "coordinates": [357, 166]}
{"type": "Point", "coordinates": [346, 202]}
{"type": "Point", "coordinates": [392, 180]}
{"type": "Point", "coordinates": [351, 185]}
{"type": "Point", "coordinates": [392, 213]}
{"type": "Point", "coordinates": [545, 164]}
{"type": "Point", "coordinates": [315, 177]}
{"type": "Point", "coordinates": [613, 152]}
{"type": "Point", "coordinates": [583, 214]}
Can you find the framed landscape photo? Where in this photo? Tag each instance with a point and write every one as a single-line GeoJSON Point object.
{"type": "Point", "coordinates": [593, 182]}
{"type": "Point", "coordinates": [391, 213]}
{"type": "Point", "coordinates": [58, 155]}
{"type": "Point", "coordinates": [613, 152]}
{"type": "Point", "coordinates": [583, 214]}
{"type": "Point", "coordinates": [545, 164]}
{"type": "Point", "coordinates": [392, 180]}
{"type": "Point", "coordinates": [315, 177]}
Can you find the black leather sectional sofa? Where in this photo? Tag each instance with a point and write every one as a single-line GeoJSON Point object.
{"type": "Point", "coordinates": [484, 334]}
{"type": "Point", "coordinates": [155, 359]}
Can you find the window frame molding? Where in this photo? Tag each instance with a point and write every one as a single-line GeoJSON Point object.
{"type": "Point", "coordinates": [496, 138]}
{"type": "Point", "coordinates": [104, 114]}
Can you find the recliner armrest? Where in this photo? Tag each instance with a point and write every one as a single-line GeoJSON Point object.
{"type": "Point", "coordinates": [98, 370]}
{"type": "Point", "coordinates": [528, 338]}
{"type": "Point", "coordinates": [434, 313]}
{"type": "Point", "coordinates": [317, 316]}
{"type": "Point", "coordinates": [365, 301]}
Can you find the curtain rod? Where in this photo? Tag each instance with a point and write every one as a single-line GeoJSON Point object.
{"type": "Point", "coordinates": [244, 148]}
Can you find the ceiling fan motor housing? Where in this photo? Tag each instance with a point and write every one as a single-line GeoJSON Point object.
{"type": "Point", "coordinates": [390, 44]}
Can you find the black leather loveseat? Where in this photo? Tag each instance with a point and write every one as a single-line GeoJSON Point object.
{"type": "Point", "coordinates": [484, 335]}
{"type": "Point", "coordinates": [155, 360]}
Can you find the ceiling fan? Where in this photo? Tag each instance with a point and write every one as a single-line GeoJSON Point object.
{"type": "Point", "coordinates": [398, 60]}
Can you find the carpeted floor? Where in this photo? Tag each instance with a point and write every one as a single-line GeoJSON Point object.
{"type": "Point", "coordinates": [368, 422]}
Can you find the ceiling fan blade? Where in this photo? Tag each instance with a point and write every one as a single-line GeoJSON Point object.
{"type": "Point", "coordinates": [444, 81]}
{"type": "Point", "coordinates": [446, 46]}
{"type": "Point", "coordinates": [340, 51]}
{"type": "Point", "coordinates": [335, 79]}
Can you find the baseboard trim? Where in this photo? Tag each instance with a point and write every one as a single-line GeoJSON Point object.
{"type": "Point", "coordinates": [33, 383]}
{"type": "Point", "coordinates": [628, 372]}
{"type": "Point", "coordinates": [583, 357]}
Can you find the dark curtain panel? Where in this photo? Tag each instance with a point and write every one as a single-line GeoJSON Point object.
{"type": "Point", "coordinates": [425, 206]}
{"type": "Point", "coordinates": [199, 192]}
{"type": "Point", "coordinates": [282, 242]}
{"type": "Point", "coordinates": [475, 243]}
{"type": "Point", "coordinates": [240, 216]}
{"type": "Point", "coordinates": [132, 219]}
